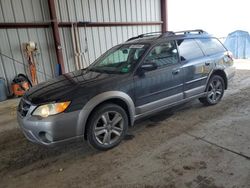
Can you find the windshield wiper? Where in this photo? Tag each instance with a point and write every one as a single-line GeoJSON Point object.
{"type": "Point", "coordinates": [102, 71]}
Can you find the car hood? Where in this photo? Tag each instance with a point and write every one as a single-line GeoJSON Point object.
{"type": "Point", "coordinates": [64, 87]}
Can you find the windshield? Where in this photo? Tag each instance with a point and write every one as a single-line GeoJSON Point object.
{"type": "Point", "coordinates": [120, 59]}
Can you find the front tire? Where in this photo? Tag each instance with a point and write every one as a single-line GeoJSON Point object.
{"type": "Point", "coordinates": [107, 126]}
{"type": "Point", "coordinates": [214, 92]}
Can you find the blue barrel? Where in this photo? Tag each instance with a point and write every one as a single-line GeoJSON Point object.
{"type": "Point", "coordinates": [3, 93]}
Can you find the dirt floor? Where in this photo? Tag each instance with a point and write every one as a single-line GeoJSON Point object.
{"type": "Point", "coordinates": [188, 146]}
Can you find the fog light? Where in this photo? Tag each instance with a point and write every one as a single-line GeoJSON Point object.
{"type": "Point", "coordinates": [45, 137]}
{"type": "Point", "coordinates": [48, 137]}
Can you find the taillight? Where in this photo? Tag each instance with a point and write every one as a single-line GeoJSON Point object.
{"type": "Point", "coordinates": [230, 55]}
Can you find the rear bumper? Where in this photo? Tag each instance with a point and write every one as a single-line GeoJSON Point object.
{"type": "Point", "coordinates": [52, 130]}
{"type": "Point", "coordinates": [230, 72]}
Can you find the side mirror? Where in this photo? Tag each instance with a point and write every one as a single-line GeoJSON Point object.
{"type": "Point", "coordinates": [149, 66]}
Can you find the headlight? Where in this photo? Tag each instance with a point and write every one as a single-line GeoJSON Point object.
{"type": "Point", "coordinates": [50, 109]}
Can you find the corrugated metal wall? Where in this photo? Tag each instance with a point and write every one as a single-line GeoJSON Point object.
{"type": "Point", "coordinates": [93, 41]}
{"type": "Point", "coordinates": [96, 40]}
{"type": "Point", "coordinates": [11, 40]}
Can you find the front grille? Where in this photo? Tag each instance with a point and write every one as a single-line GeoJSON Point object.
{"type": "Point", "coordinates": [23, 107]}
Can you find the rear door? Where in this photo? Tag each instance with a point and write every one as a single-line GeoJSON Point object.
{"type": "Point", "coordinates": [162, 86]}
{"type": "Point", "coordinates": [195, 65]}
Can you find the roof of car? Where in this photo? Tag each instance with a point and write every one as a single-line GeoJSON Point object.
{"type": "Point", "coordinates": [155, 37]}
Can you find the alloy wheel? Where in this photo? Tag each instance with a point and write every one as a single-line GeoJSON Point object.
{"type": "Point", "coordinates": [109, 127]}
{"type": "Point", "coordinates": [215, 90]}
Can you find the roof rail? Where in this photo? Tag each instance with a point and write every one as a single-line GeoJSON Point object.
{"type": "Point", "coordinates": [198, 31]}
{"type": "Point", "coordinates": [167, 33]}
{"type": "Point", "coordinates": [151, 34]}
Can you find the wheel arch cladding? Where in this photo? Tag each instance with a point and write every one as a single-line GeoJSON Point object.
{"type": "Point", "coordinates": [222, 74]}
{"type": "Point", "coordinates": [116, 97]}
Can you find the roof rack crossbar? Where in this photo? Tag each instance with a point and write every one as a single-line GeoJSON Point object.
{"type": "Point", "coordinates": [198, 31]}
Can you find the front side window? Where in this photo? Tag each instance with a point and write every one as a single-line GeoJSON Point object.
{"type": "Point", "coordinates": [189, 49]}
{"type": "Point", "coordinates": [163, 54]}
{"type": "Point", "coordinates": [120, 59]}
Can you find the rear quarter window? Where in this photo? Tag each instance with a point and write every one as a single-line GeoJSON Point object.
{"type": "Point", "coordinates": [211, 46]}
{"type": "Point", "coordinates": [189, 49]}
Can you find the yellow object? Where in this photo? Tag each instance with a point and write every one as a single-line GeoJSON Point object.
{"type": "Point", "coordinates": [60, 107]}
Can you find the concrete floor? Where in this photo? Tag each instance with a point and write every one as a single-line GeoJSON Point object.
{"type": "Point", "coordinates": [188, 146]}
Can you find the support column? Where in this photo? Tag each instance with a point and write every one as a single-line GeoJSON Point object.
{"type": "Point", "coordinates": [56, 36]}
{"type": "Point", "coordinates": [164, 15]}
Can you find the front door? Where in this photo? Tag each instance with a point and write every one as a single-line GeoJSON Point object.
{"type": "Point", "coordinates": [160, 87]}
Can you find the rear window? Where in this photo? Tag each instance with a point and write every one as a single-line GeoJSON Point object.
{"type": "Point", "coordinates": [189, 49]}
{"type": "Point", "coordinates": [211, 46]}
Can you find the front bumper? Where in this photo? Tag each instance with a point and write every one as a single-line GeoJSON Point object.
{"type": "Point", "coordinates": [49, 131]}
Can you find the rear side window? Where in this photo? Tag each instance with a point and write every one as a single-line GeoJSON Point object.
{"type": "Point", "coordinates": [189, 49]}
{"type": "Point", "coordinates": [211, 46]}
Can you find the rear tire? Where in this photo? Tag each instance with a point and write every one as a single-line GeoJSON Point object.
{"type": "Point", "coordinates": [214, 91]}
{"type": "Point", "coordinates": [107, 126]}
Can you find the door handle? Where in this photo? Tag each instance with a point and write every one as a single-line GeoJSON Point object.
{"type": "Point", "coordinates": [207, 63]}
{"type": "Point", "coordinates": [176, 71]}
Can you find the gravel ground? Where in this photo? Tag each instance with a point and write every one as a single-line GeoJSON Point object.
{"type": "Point", "coordinates": [187, 146]}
